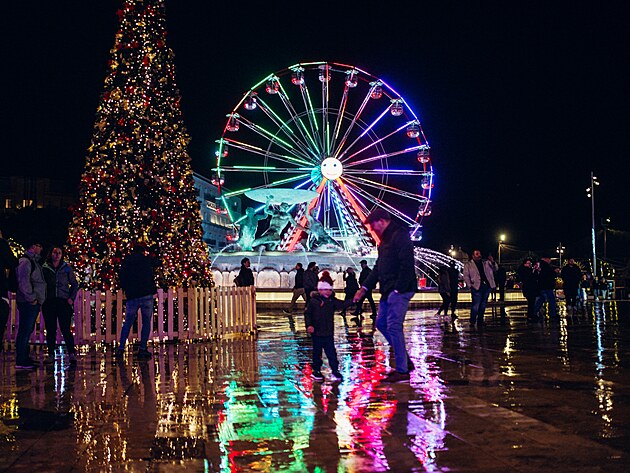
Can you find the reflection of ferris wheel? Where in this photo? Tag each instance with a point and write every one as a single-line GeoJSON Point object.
{"type": "Point", "coordinates": [336, 130]}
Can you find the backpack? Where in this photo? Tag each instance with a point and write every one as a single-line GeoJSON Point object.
{"type": "Point", "coordinates": [12, 281]}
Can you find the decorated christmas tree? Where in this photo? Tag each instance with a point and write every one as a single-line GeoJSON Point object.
{"type": "Point", "coordinates": [137, 186]}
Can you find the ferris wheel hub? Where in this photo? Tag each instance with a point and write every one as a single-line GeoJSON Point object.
{"type": "Point", "coordinates": [331, 168]}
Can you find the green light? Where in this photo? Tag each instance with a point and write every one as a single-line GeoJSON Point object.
{"type": "Point", "coordinates": [242, 191]}
{"type": "Point", "coordinates": [263, 168]}
{"type": "Point", "coordinates": [227, 207]}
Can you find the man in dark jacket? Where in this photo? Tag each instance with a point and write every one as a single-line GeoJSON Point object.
{"type": "Point", "coordinates": [395, 272]}
{"type": "Point", "coordinates": [8, 261]}
{"type": "Point", "coordinates": [298, 288]}
{"type": "Point", "coordinates": [310, 280]}
{"type": "Point", "coordinates": [365, 272]}
{"type": "Point", "coordinates": [571, 275]}
{"type": "Point", "coordinates": [138, 282]}
{"type": "Point", "coordinates": [546, 276]}
{"type": "Point", "coordinates": [245, 276]}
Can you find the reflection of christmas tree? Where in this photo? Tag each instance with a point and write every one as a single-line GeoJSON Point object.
{"type": "Point", "coordinates": [137, 184]}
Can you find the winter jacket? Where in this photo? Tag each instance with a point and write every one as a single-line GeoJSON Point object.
{"type": "Point", "coordinates": [310, 280]}
{"type": "Point", "coordinates": [320, 314]}
{"type": "Point", "coordinates": [299, 279]}
{"type": "Point", "coordinates": [394, 269]}
{"type": "Point", "coordinates": [546, 276]}
{"type": "Point", "coordinates": [444, 281]}
{"type": "Point", "coordinates": [30, 279]}
{"type": "Point", "coordinates": [352, 286]}
{"type": "Point", "coordinates": [529, 283]}
{"type": "Point", "coordinates": [8, 261]}
{"type": "Point", "coordinates": [245, 277]}
{"type": "Point", "coordinates": [571, 275]}
{"type": "Point", "coordinates": [136, 276]}
{"type": "Point", "coordinates": [365, 272]}
{"type": "Point", "coordinates": [60, 282]}
{"type": "Point", "coordinates": [472, 278]}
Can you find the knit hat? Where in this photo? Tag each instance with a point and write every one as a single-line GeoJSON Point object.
{"type": "Point", "coordinates": [323, 285]}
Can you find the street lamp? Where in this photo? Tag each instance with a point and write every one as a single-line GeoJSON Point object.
{"type": "Point", "coordinates": [605, 225]}
{"type": "Point", "coordinates": [560, 250]}
{"type": "Point", "coordinates": [590, 192]}
{"type": "Point", "coordinates": [501, 240]}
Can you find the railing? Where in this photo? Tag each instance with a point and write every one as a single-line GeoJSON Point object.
{"type": "Point", "coordinates": [178, 314]}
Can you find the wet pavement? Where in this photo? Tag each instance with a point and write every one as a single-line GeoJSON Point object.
{"type": "Point", "coordinates": [512, 397]}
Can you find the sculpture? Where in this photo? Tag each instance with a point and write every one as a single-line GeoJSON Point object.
{"type": "Point", "coordinates": [317, 235]}
{"type": "Point", "coordinates": [247, 231]}
{"type": "Point", "coordinates": [280, 218]}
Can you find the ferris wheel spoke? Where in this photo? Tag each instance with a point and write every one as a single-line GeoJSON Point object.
{"type": "Point", "coordinates": [365, 131]}
{"type": "Point", "coordinates": [384, 187]}
{"type": "Point", "coordinates": [378, 202]}
{"type": "Point", "coordinates": [340, 115]}
{"type": "Point", "coordinates": [355, 119]}
{"type": "Point", "coordinates": [271, 184]}
{"type": "Point", "coordinates": [302, 128]}
{"type": "Point", "coordinates": [325, 70]}
{"type": "Point", "coordinates": [348, 225]}
{"type": "Point", "coordinates": [312, 118]}
{"type": "Point", "coordinates": [380, 156]}
{"type": "Point", "coordinates": [376, 142]}
{"type": "Point", "coordinates": [264, 168]}
{"type": "Point", "coordinates": [285, 127]}
{"type": "Point", "coordinates": [380, 172]}
{"type": "Point", "coordinates": [274, 138]}
{"type": "Point", "coordinates": [256, 150]}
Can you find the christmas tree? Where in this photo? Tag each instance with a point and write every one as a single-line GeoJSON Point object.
{"type": "Point", "coordinates": [137, 185]}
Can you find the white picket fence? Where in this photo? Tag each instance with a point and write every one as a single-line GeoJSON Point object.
{"type": "Point", "coordinates": [178, 314]}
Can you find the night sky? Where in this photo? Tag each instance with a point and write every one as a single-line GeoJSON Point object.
{"type": "Point", "coordinates": [519, 100]}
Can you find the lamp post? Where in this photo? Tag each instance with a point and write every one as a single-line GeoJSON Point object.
{"type": "Point", "coordinates": [590, 192]}
{"type": "Point", "coordinates": [560, 250]}
{"type": "Point", "coordinates": [501, 240]}
{"type": "Point", "coordinates": [605, 224]}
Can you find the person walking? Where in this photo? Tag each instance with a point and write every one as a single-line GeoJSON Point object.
{"type": "Point", "coordinates": [8, 262]}
{"type": "Point", "coordinates": [351, 286]}
{"type": "Point", "coordinates": [245, 276]}
{"type": "Point", "coordinates": [529, 287]}
{"type": "Point", "coordinates": [571, 275]}
{"type": "Point", "coordinates": [61, 290]}
{"type": "Point", "coordinates": [319, 319]}
{"type": "Point", "coordinates": [444, 288]}
{"type": "Point", "coordinates": [394, 271]}
{"type": "Point", "coordinates": [479, 277]}
{"type": "Point", "coordinates": [310, 280]}
{"type": "Point", "coordinates": [137, 279]}
{"type": "Point", "coordinates": [298, 288]}
{"type": "Point", "coordinates": [546, 277]}
{"type": "Point", "coordinates": [30, 295]}
{"type": "Point", "coordinates": [365, 272]}
{"type": "Point", "coordinates": [453, 274]}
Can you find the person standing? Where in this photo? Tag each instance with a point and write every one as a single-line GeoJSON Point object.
{"type": "Point", "coordinates": [8, 262]}
{"type": "Point", "coordinates": [529, 287]}
{"type": "Point", "coordinates": [310, 280]}
{"type": "Point", "coordinates": [500, 278]}
{"type": "Point", "coordinates": [298, 288]}
{"type": "Point", "coordinates": [365, 272]}
{"type": "Point", "coordinates": [479, 277]}
{"type": "Point", "coordinates": [571, 275]}
{"type": "Point", "coordinates": [394, 271]}
{"type": "Point", "coordinates": [453, 273]}
{"type": "Point", "coordinates": [137, 279]}
{"type": "Point", "coordinates": [319, 318]}
{"type": "Point", "coordinates": [30, 295]}
{"type": "Point", "coordinates": [546, 277]}
{"type": "Point", "coordinates": [444, 288]}
{"type": "Point", "coordinates": [245, 276]}
{"type": "Point", "coordinates": [351, 286]}
{"type": "Point", "coordinates": [61, 290]}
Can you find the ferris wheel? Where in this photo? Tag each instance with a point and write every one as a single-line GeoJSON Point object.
{"type": "Point", "coordinates": [336, 130]}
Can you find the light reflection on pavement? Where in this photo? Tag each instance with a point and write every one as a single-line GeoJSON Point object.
{"type": "Point", "coordinates": [513, 397]}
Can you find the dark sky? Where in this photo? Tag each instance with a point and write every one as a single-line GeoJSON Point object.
{"type": "Point", "coordinates": [519, 100]}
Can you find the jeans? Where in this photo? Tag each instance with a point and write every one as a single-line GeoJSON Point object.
{"type": "Point", "coordinates": [390, 320]}
{"type": "Point", "coordinates": [327, 343]}
{"type": "Point", "coordinates": [145, 304]}
{"type": "Point", "coordinates": [53, 310]}
{"type": "Point", "coordinates": [28, 316]}
{"type": "Point", "coordinates": [479, 301]}
{"type": "Point", "coordinates": [549, 296]}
